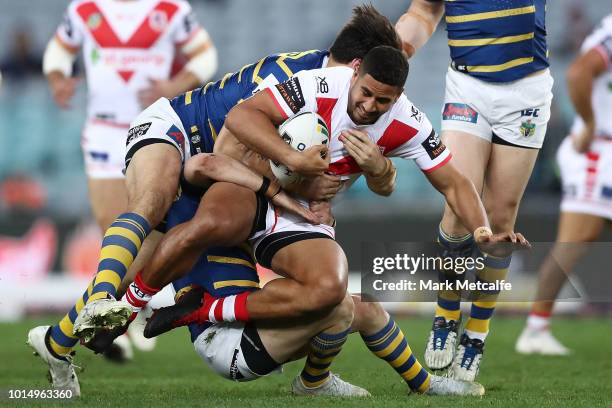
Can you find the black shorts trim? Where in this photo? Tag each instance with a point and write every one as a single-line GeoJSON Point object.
{"type": "Point", "coordinates": [270, 245]}
{"type": "Point", "coordinates": [498, 140]}
{"type": "Point", "coordinates": [140, 145]}
{"type": "Point", "coordinates": [259, 222]}
{"type": "Point", "coordinates": [255, 354]}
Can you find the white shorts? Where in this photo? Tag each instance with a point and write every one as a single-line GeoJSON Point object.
{"type": "Point", "coordinates": [159, 123]}
{"type": "Point", "coordinates": [586, 179]}
{"type": "Point", "coordinates": [103, 145]}
{"type": "Point", "coordinates": [219, 347]}
{"type": "Point", "coordinates": [516, 112]}
{"type": "Point", "coordinates": [281, 230]}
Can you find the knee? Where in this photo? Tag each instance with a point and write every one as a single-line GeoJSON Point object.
{"type": "Point", "coordinates": [369, 316]}
{"type": "Point", "coordinates": [327, 293]}
{"type": "Point", "coordinates": [502, 215]}
{"type": "Point", "coordinates": [345, 311]}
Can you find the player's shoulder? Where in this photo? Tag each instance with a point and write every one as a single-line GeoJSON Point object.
{"type": "Point", "coordinates": [181, 5]}
{"type": "Point", "coordinates": [330, 82]}
{"type": "Point", "coordinates": [599, 34]}
{"type": "Point", "coordinates": [408, 113]}
{"type": "Point", "coordinates": [74, 5]}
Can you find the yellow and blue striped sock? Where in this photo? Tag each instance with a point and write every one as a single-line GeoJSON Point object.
{"type": "Point", "coordinates": [483, 306]}
{"type": "Point", "coordinates": [324, 347]}
{"type": "Point", "coordinates": [61, 340]}
{"type": "Point", "coordinates": [449, 301]}
{"type": "Point", "coordinates": [390, 345]}
{"type": "Point", "coordinates": [120, 246]}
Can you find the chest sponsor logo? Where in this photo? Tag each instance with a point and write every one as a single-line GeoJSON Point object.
{"type": "Point", "coordinates": [433, 145]}
{"type": "Point", "coordinates": [322, 85]}
{"type": "Point", "coordinates": [460, 112]}
{"type": "Point", "coordinates": [137, 132]}
{"type": "Point", "coordinates": [291, 92]}
{"type": "Point", "coordinates": [158, 20]}
{"type": "Point", "coordinates": [416, 114]}
{"type": "Point", "coordinates": [94, 21]}
{"type": "Point", "coordinates": [527, 128]}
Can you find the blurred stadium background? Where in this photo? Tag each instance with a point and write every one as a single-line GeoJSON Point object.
{"type": "Point", "coordinates": [48, 242]}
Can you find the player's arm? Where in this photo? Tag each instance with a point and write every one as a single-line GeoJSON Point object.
{"type": "Point", "coordinates": [379, 171]}
{"type": "Point", "coordinates": [580, 76]}
{"type": "Point", "coordinates": [418, 23]}
{"type": "Point", "coordinates": [58, 59]}
{"type": "Point", "coordinates": [254, 122]}
{"type": "Point", "coordinates": [203, 169]}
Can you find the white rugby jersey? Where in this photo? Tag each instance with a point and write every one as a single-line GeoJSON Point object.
{"type": "Point", "coordinates": [601, 98]}
{"type": "Point", "coordinates": [404, 131]}
{"type": "Point", "coordinates": [125, 43]}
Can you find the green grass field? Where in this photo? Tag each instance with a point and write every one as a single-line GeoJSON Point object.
{"type": "Point", "coordinates": [174, 376]}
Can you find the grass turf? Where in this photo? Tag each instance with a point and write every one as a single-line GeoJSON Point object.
{"type": "Point", "coordinates": [174, 376]}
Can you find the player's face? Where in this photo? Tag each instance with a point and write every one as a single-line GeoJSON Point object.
{"type": "Point", "coordinates": [370, 99]}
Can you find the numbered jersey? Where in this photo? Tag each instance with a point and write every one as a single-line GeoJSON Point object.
{"type": "Point", "coordinates": [601, 99]}
{"type": "Point", "coordinates": [125, 45]}
{"type": "Point", "coordinates": [203, 111]}
{"type": "Point", "coordinates": [403, 131]}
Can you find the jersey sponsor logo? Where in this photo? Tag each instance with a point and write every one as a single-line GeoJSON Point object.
{"type": "Point", "coordinates": [460, 112]}
{"type": "Point", "coordinates": [433, 145]}
{"type": "Point", "coordinates": [416, 114]}
{"type": "Point", "coordinates": [527, 128]}
{"type": "Point", "coordinates": [189, 22]}
{"type": "Point", "coordinates": [137, 132]}
{"type": "Point", "coordinates": [158, 20]}
{"type": "Point", "coordinates": [291, 92]}
{"type": "Point", "coordinates": [94, 21]}
{"type": "Point", "coordinates": [534, 112]}
{"type": "Point", "coordinates": [175, 134]}
{"type": "Point", "coordinates": [67, 24]}
{"type": "Point", "coordinates": [606, 192]}
{"type": "Point", "coordinates": [322, 85]}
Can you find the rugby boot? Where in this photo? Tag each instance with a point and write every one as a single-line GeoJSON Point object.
{"type": "Point", "coordinates": [62, 372]}
{"type": "Point", "coordinates": [467, 360]}
{"type": "Point", "coordinates": [334, 387]}
{"type": "Point", "coordinates": [442, 343]}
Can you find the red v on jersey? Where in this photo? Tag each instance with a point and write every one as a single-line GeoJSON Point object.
{"type": "Point", "coordinates": [144, 37]}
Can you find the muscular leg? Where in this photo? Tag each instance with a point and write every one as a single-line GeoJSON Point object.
{"type": "Point", "coordinates": [471, 156]}
{"type": "Point", "coordinates": [224, 218]}
{"type": "Point", "coordinates": [507, 175]}
{"type": "Point", "coordinates": [574, 230]}
{"type": "Point", "coordinates": [150, 193]}
{"type": "Point", "coordinates": [318, 277]}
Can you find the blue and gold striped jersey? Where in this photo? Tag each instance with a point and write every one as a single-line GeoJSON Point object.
{"type": "Point", "coordinates": [203, 111]}
{"type": "Point", "coordinates": [497, 40]}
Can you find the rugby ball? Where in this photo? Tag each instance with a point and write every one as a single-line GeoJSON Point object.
{"type": "Point", "coordinates": [300, 132]}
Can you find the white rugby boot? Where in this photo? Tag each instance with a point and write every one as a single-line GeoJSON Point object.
{"type": "Point", "coordinates": [466, 363]}
{"type": "Point", "coordinates": [532, 341]}
{"type": "Point", "coordinates": [61, 370]}
{"type": "Point", "coordinates": [334, 387]}
{"type": "Point", "coordinates": [100, 314]}
{"type": "Point", "coordinates": [136, 328]}
{"type": "Point", "coordinates": [441, 344]}
{"type": "Point", "coordinates": [449, 386]}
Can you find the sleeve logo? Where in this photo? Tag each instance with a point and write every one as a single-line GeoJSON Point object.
{"type": "Point", "coordinates": [291, 92]}
{"type": "Point", "coordinates": [137, 132]}
{"type": "Point", "coordinates": [433, 145]}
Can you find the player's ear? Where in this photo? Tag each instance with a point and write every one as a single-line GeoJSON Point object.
{"type": "Point", "coordinates": [355, 64]}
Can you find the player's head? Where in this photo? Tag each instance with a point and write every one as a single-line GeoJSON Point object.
{"type": "Point", "coordinates": [366, 29]}
{"type": "Point", "coordinates": [377, 84]}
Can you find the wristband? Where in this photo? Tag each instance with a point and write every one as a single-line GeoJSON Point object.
{"type": "Point", "coordinates": [482, 231]}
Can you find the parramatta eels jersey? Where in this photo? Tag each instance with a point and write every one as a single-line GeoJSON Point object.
{"type": "Point", "coordinates": [497, 40]}
{"type": "Point", "coordinates": [203, 111]}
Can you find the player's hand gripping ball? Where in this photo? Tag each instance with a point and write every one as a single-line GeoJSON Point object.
{"type": "Point", "coordinates": [300, 132]}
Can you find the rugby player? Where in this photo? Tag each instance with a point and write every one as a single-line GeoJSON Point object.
{"type": "Point", "coordinates": [128, 48]}
{"type": "Point", "coordinates": [496, 109]}
{"type": "Point", "coordinates": [192, 125]}
{"type": "Point", "coordinates": [584, 160]}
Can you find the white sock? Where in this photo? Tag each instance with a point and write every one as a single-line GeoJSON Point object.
{"type": "Point", "coordinates": [539, 323]}
{"type": "Point", "coordinates": [476, 335]}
